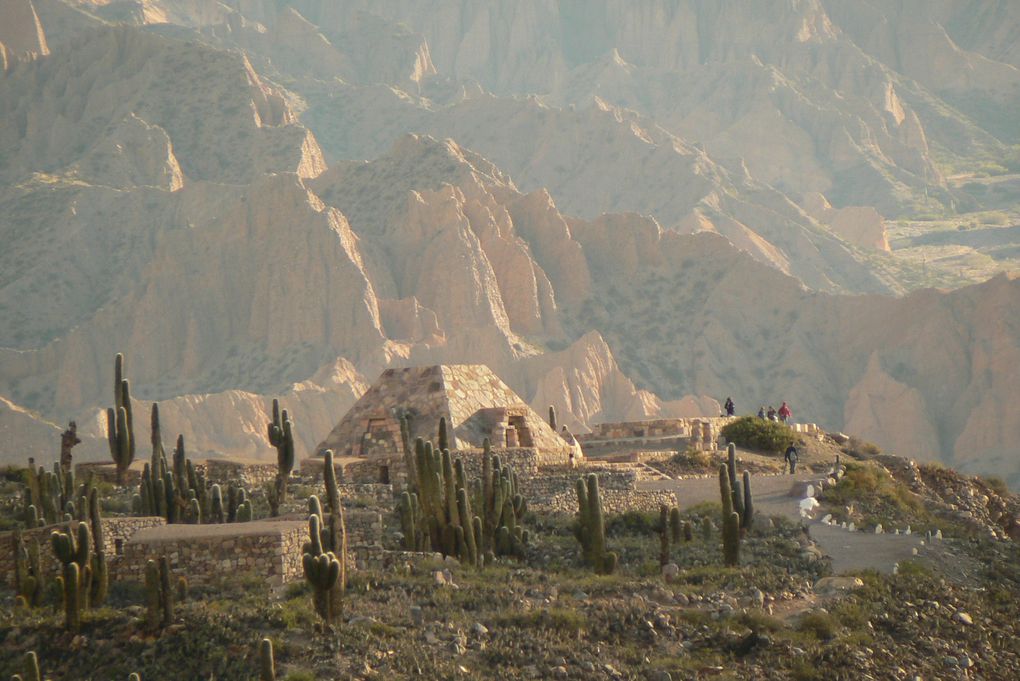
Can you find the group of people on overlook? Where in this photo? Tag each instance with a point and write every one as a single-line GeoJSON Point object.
{"type": "Point", "coordinates": [783, 414]}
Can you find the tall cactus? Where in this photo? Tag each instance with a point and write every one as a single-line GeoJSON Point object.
{"type": "Point", "coordinates": [281, 436]}
{"type": "Point", "coordinates": [119, 422]}
{"type": "Point", "coordinates": [267, 665]}
{"type": "Point", "coordinates": [671, 531]}
{"type": "Point", "coordinates": [747, 517]}
{"type": "Point", "coordinates": [591, 527]}
{"type": "Point", "coordinates": [408, 451]}
{"type": "Point", "coordinates": [159, 595]}
{"type": "Point", "coordinates": [322, 571]}
{"type": "Point", "coordinates": [100, 576]}
{"type": "Point", "coordinates": [29, 668]}
{"type": "Point", "coordinates": [443, 441]}
{"type": "Point", "coordinates": [730, 520]}
{"type": "Point", "coordinates": [731, 470]}
{"type": "Point", "coordinates": [335, 530]}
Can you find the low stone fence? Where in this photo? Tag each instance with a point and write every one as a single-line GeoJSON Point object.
{"type": "Point", "coordinates": [613, 501]}
{"type": "Point", "coordinates": [117, 532]}
{"type": "Point", "coordinates": [205, 552]}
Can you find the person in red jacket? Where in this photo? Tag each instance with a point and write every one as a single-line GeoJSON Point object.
{"type": "Point", "coordinates": [784, 413]}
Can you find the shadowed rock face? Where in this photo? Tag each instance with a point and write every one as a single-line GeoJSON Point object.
{"type": "Point", "coordinates": [198, 229]}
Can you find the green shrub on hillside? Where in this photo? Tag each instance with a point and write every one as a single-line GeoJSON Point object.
{"type": "Point", "coordinates": [751, 432]}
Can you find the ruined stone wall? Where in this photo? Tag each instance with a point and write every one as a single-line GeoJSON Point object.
{"type": "Point", "coordinates": [249, 474]}
{"type": "Point", "coordinates": [117, 532]}
{"type": "Point", "coordinates": [365, 526]}
{"type": "Point", "coordinates": [554, 491]}
{"type": "Point", "coordinates": [204, 553]}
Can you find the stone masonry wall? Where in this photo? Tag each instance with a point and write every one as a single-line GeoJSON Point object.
{"type": "Point", "coordinates": [250, 474]}
{"type": "Point", "coordinates": [117, 532]}
{"type": "Point", "coordinates": [205, 552]}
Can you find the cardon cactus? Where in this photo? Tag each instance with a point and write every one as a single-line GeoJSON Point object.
{"type": "Point", "coordinates": [267, 665]}
{"type": "Point", "coordinates": [322, 571]}
{"type": "Point", "coordinates": [119, 422]}
{"type": "Point", "coordinates": [670, 531]}
{"type": "Point", "coordinates": [216, 514]}
{"type": "Point", "coordinates": [29, 578]}
{"type": "Point", "coordinates": [281, 436]}
{"type": "Point", "coordinates": [334, 535]}
{"type": "Point", "coordinates": [29, 668]}
{"type": "Point", "coordinates": [159, 596]}
{"type": "Point", "coordinates": [74, 551]}
{"type": "Point", "coordinates": [731, 471]}
{"type": "Point", "coordinates": [100, 575]}
{"type": "Point", "coordinates": [447, 499]}
{"type": "Point", "coordinates": [443, 441]}
{"type": "Point", "coordinates": [591, 527]}
{"type": "Point", "coordinates": [747, 516]}
{"type": "Point", "coordinates": [730, 521]}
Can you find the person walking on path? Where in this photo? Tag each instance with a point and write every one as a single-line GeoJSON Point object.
{"type": "Point", "coordinates": [761, 412]}
{"type": "Point", "coordinates": [730, 407]}
{"type": "Point", "coordinates": [791, 458]}
{"type": "Point", "coordinates": [772, 413]}
{"type": "Point", "coordinates": [784, 412]}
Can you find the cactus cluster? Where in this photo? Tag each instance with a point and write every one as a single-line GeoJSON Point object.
{"type": "Point", "coordinates": [281, 436]}
{"type": "Point", "coordinates": [51, 497]}
{"type": "Point", "coordinates": [591, 527]}
{"type": "Point", "coordinates": [730, 520]}
{"type": "Point", "coordinates": [441, 514]}
{"type": "Point", "coordinates": [119, 421]}
{"type": "Point", "coordinates": [179, 492]}
{"type": "Point", "coordinates": [324, 556]}
{"type": "Point", "coordinates": [672, 530]}
{"type": "Point", "coordinates": [84, 578]}
{"type": "Point", "coordinates": [159, 595]}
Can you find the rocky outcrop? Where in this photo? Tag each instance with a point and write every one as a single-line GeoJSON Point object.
{"type": "Point", "coordinates": [861, 226]}
{"type": "Point", "coordinates": [233, 129]}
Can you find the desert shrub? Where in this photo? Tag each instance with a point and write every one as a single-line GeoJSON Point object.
{"type": "Point", "coordinates": [751, 432]}
{"type": "Point", "coordinates": [861, 449]}
{"type": "Point", "coordinates": [632, 522]}
{"type": "Point", "coordinates": [695, 458]}
{"type": "Point", "coordinates": [820, 624]}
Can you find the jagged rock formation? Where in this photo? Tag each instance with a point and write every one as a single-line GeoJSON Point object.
{"type": "Point", "coordinates": [199, 230]}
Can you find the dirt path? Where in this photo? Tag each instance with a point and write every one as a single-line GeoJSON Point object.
{"type": "Point", "coordinates": [848, 550]}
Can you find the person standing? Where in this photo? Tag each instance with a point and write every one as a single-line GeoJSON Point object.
{"type": "Point", "coordinates": [761, 412]}
{"type": "Point", "coordinates": [729, 406]}
{"type": "Point", "coordinates": [791, 458]}
{"type": "Point", "coordinates": [772, 413]}
{"type": "Point", "coordinates": [784, 412]}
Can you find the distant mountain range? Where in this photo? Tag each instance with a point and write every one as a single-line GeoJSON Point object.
{"type": "Point", "coordinates": [626, 210]}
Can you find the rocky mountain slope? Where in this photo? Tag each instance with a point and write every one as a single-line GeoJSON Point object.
{"type": "Point", "coordinates": [222, 237]}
